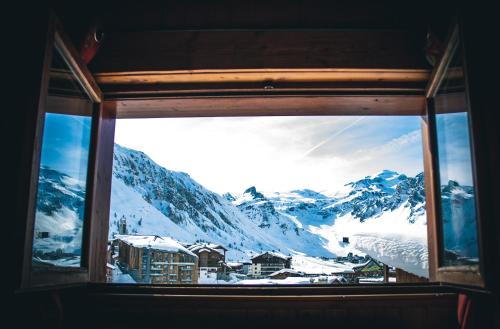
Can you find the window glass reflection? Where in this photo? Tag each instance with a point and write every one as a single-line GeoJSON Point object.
{"type": "Point", "coordinates": [457, 198]}
{"type": "Point", "coordinates": [61, 195]}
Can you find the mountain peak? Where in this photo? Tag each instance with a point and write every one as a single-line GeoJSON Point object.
{"type": "Point", "coordinates": [386, 174]}
{"type": "Point", "coordinates": [229, 197]}
{"type": "Point", "coordinates": [307, 193]}
{"type": "Point", "coordinates": [254, 193]}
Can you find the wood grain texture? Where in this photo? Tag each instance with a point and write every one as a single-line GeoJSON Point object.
{"type": "Point", "coordinates": [64, 45]}
{"type": "Point", "coordinates": [270, 81]}
{"type": "Point", "coordinates": [58, 41]}
{"type": "Point", "coordinates": [267, 106]}
{"type": "Point", "coordinates": [430, 206]}
{"type": "Point", "coordinates": [26, 126]}
{"type": "Point", "coordinates": [122, 306]}
{"type": "Point", "coordinates": [259, 49]}
{"type": "Point", "coordinates": [270, 311]}
{"type": "Point", "coordinates": [483, 97]}
{"type": "Point", "coordinates": [465, 275]}
{"type": "Point", "coordinates": [101, 197]}
{"type": "Point", "coordinates": [264, 75]}
{"type": "Point", "coordinates": [124, 91]}
{"type": "Point", "coordinates": [439, 70]}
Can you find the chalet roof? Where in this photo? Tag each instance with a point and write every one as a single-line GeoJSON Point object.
{"type": "Point", "coordinates": [371, 262]}
{"type": "Point", "coordinates": [330, 279]}
{"type": "Point", "coordinates": [199, 247]}
{"type": "Point", "coordinates": [154, 242]}
{"type": "Point", "coordinates": [216, 246]}
{"type": "Point", "coordinates": [273, 253]}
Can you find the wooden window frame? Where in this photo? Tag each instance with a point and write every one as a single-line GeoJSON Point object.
{"type": "Point", "coordinates": [98, 176]}
{"type": "Point", "coordinates": [227, 102]}
{"type": "Point", "coordinates": [463, 275]}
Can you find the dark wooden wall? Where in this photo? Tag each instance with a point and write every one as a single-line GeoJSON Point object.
{"type": "Point", "coordinates": [480, 26]}
{"type": "Point", "coordinates": [196, 34]}
{"type": "Point", "coordinates": [110, 307]}
{"type": "Point", "coordinates": [87, 306]}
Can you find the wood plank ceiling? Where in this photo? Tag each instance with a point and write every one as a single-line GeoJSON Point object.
{"type": "Point", "coordinates": [267, 48]}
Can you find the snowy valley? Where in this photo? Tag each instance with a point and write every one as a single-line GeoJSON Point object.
{"type": "Point", "coordinates": [381, 215]}
{"type": "Point", "coordinates": [326, 232]}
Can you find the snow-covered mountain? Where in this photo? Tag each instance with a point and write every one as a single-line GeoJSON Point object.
{"type": "Point", "coordinates": [367, 198]}
{"type": "Point", "coordinates": [382, 215]}
{"type": "Point", "coordinates": [459, 220]}
{"type": "Point", "coordinates": [59, 214]}
{"type": "Point", "coordinates": [155, 200]}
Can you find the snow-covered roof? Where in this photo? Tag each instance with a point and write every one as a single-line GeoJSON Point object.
{"type": "Point", "coordinates": [273, 253]}
{"type": "Point", "coordinates": [329, 279]}
{"type": "Point", "coordinates": [407, 253]}
{"type": "Point", "coordinates": [344, 271]}
{"type": "Point", "coordinates": [286, 270]}
{"type": "Point", "coordinates": [154, 242]}
{"type": "Point", "coordinates": [362, 265]}
{"type": "Point", "coordinates": [217, 246]}
{"type": "Point", "coordinates": [199, 247]}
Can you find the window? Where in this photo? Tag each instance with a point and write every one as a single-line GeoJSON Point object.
{"type": "Point", "coordinates": [457, 256]}
{"type": "Point", "coordinates": [275, 231]}
{"type": "Point", "coordinates": [457, 195]}
{"type": "Point", "coordinates": [302, 198]}
{"type": "Point", "coordinates": [62, 183]}
{"type": "Point", "coordinates": [61, 213]}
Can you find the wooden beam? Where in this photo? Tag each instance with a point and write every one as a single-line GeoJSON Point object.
{"type": "Point", "coordinates": [438, 74]}
{"type": "Point", "coordinates": [64, 45]}
{"type": "Point", "coordinates": [101, 193]}
{"type": "Point", "coordinates": [264, 75]}
{"type": "Point", "coordinates": [430, 198]}
{"type": "Point", "coordinates": [267, 106]}
{"type": "Point", "coordinates": [270, 81]}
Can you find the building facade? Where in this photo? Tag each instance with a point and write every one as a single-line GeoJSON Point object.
{"type": "Point", "coordinates": [156, 260]}
{"type": "Point", "coordinates": [269, 262]}
{"type": "Point", "coordinates": [211, 260]}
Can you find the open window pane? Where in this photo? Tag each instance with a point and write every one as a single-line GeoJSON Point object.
{"type": "Point", "coordinates": [268, 200]}
{"type": "Point", "coordinates": [457, 197]}
{"type": "Point", "coordinates": [62, 182]}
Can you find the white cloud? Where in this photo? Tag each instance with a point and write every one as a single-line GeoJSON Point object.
{"type": "Point", "coordinates": [272, 153]}
{"type": "Point", "coordinates": [394, 145]}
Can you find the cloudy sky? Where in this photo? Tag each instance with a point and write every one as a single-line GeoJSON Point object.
{"type": "Point", "coordinates": [277, 153]}
{"type": "Point", "coordinates": [454, 148]}
{"type": "Point", "coordinates": [65, 145]}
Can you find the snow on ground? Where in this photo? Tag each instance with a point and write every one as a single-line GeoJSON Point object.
{"type": "Point", "coordinates": [120, 277]}
{"type": "Point", "coordinates": [285, 271]}
{"type": "Point", "coordinates": [315, 265]}
{"type": "Point", "coordinates": [377, 280]}
{"type": "Point", "coordinates": [325, 279]}
{"type": "Point", "coordinates": [389, 238]}
{"type": "Point", "coordinates": [396, 250]}
{"type": "Point", "coordinates": [291, 280]}
{"type": "Point", "coordinates": [128, 202]}
{"type": "Point", "coordinates": [72, 261]}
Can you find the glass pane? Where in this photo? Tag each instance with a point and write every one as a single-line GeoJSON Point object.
{"type": "Point", "coordinates": [268, 200]}
{"type": "Point", "coordinates": [457, 199]}
{"type": "Point", "coordinates": [61, 196]}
